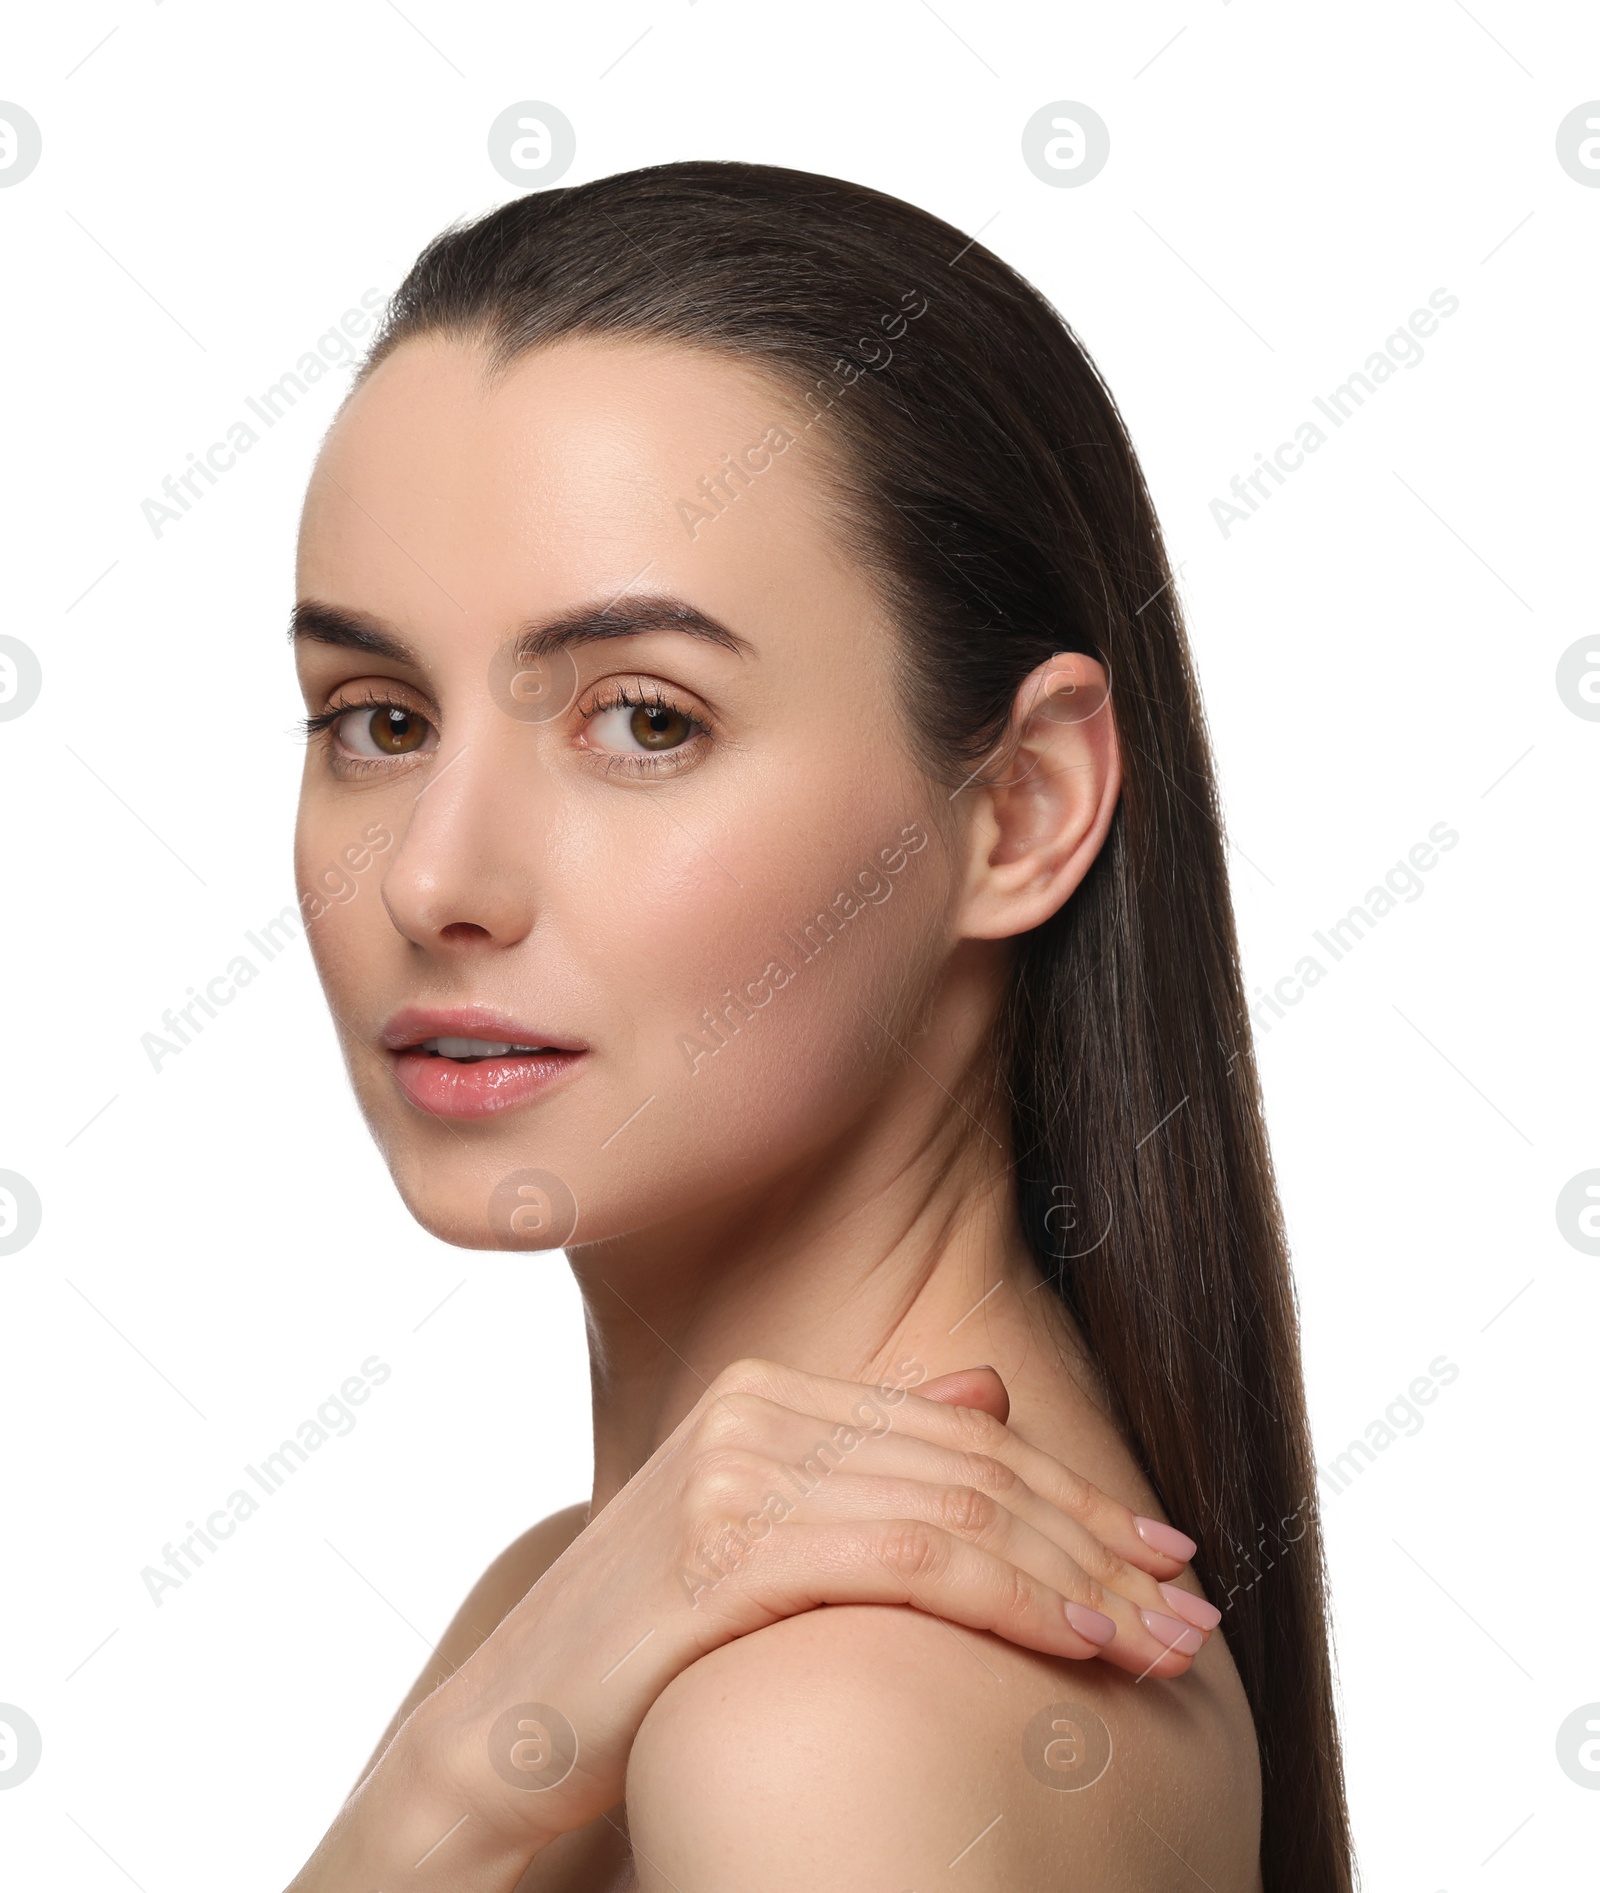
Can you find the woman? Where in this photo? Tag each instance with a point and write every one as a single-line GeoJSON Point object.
{"type": "Point", "coordinates": [732, 613]}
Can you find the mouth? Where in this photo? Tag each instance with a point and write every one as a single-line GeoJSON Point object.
{"type": "Point", "coordinates": [472, 1064]}
{"type": "Point", "coordinates": [474, 1051]}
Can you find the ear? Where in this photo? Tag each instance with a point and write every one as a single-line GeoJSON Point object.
{"type": "Point", "coordinates": [1042, 810]}
{"type": "Point", "coordinates": [969, 1387]}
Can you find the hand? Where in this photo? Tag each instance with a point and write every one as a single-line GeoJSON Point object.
{"type": "Point", "coordinates": [779, 1492]}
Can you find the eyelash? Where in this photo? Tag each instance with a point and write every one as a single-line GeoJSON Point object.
{"type": "Point", "coordinates": [615, 694]}
{"type": "Point", "coordinates": [322, 723]}
{"type": "Point", "coordinates": [321, 726]}
{"type": "Point", "coordinates": [637, 693]}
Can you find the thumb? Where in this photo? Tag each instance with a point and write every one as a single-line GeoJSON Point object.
{"type": "Point", "coordinates": [970, 1387]}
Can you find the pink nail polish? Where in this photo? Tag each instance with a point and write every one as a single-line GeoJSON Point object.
{"type": "Point", "coordinates": [1195, 1610]}
{"type": "Point", "coordinates": [1166, 1538]}
{"type": "Point", "coordinates": [1093, 1624]}
{"type": "Point", "coordinates": [1181, 1638]}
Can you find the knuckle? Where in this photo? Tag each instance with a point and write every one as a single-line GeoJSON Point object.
{"type": "Point", "coordinates": [965, 1510]}
{"type": "Point", "coordinates": [720, 1480]}
{"type": "Point", "coordinates": [1021, 1599]}
{"type": "Point", "coordinates": [1119, 1575]}
{"type": "Point", "coordinates": [980, 1432]}
{"type": "Point", "coordinates": [1107, 1569]}
{"type": "Point", "coordinates": [749, 1375]}
{"type": "Point", "coordinates": [725, 1419]}
{"type": "Point", "coordinates": [911, 1549]}
{"type": "Point", "coordinates": [987, 1474]}
{"type": "Point", "coordinates": [1077, 1495]}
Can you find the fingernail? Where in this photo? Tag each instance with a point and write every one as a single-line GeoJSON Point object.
{"type": "Point", "coordinates": [1182, 1638]}
{"type": "Point", "coordinates": [1166, 1538]}
{"type": "Point", "coordinates": [1195, 1610]}
{"type": "Point", "coordinates": [1093, 1624]}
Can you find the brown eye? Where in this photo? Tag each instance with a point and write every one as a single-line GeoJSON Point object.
{"type": "Point", "coordinates": [644, 736]}
{"type": "Point", "coordinates": [385, 730]}
{"type": "Point", "coordinates": [653, 726]}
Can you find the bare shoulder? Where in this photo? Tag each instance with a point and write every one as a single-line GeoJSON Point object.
{"type": "Point", "coordinates": [865, 1747]}
{"type": "Point", "coordinates": [503, 1585]}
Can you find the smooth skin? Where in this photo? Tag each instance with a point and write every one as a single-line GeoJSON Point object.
{"type": "Point", "coordinates": [798, 1231]}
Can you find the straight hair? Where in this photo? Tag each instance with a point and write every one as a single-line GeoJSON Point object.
{"type": "Point", "coordinates": [987, 481]}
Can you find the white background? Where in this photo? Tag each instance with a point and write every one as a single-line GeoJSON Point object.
{"type": "Point", "coordinates": [1377, 644]}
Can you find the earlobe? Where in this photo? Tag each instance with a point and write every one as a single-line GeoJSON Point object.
{"type": "Point", "coordinates": [1043, 810]}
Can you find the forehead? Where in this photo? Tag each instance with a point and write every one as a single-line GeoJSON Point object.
{"type": "Point", "coordinates": [590, 466]}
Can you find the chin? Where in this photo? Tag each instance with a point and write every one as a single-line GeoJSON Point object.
{"type": "Point", "coordinates": [472, 1205]}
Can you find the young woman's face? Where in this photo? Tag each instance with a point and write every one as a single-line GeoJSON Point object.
{"type": "Point", "coordinates": [620, 871]}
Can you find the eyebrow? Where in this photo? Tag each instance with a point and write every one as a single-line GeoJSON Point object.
{"type": "Point", "coordinates": [624, 617]}
{"type": "Point", "coordinates": [311, 622]}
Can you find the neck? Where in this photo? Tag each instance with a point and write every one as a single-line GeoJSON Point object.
{"type": "Point", "coordinates": [894, 1255]}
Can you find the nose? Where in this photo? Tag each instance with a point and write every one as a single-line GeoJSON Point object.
{"type": "Point", "coordinates": [465, 874]}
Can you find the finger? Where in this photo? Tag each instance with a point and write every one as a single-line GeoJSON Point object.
{"type": "Point", "coordinates": [898, 1455]}
{"type": "Point", "coordinates": [1110, 1573]}
{"type": "Point", "coordinates": [1148, 1544]}
{"type": "Point", "coordinates": [915, 1563]}
{"type": "Point", "coordinates": [1139, 1635]}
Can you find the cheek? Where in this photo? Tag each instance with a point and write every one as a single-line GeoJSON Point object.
{"type": "Point", "coordinates": [309, 853]}
{"type": "Point", "coordinates": [342, 908]}
{"type": "Point", "coordinates": [753, 1011]}
{"type": "Point", "coordinates": [338, 934]}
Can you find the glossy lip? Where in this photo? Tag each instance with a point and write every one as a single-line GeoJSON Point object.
{"type": "Point", "coordinates": [412, 1024]}
{"type": "Point", "coordinates": [441, 1087]}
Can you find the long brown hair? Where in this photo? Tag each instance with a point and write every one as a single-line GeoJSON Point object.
{"type": "Point", "coordinates": [990, 485]}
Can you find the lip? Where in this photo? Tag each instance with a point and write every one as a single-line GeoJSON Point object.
{"type": "Point", "coordinates": [444, 1087]}
{"type": "Point", "coordinates": [412, 1024]}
